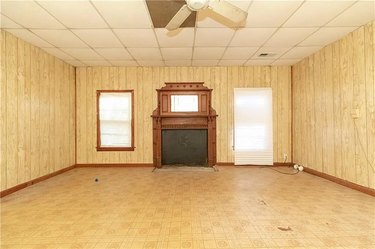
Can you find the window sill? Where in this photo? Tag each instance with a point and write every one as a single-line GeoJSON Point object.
{"type": "Point", "coordinates": [115, 148]}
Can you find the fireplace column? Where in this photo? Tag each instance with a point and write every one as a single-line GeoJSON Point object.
{"type": "Point", "coordinates": [156, 124]}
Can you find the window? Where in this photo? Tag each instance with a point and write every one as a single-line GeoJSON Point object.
{"type": "Point", "coordinates": [115, 120]}
{"type": "Point", "coordinates": [184, 103]}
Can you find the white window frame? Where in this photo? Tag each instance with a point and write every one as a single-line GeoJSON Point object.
{"type": "Point", "coordinates": [128, 122]}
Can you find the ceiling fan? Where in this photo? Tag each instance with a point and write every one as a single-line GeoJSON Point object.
{"type": "Point", "coordinates": [221, 7]}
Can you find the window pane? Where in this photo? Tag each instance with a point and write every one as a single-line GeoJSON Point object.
{"type": "Point", "coordinates": [115, 140]}
{"type": "Point", "coordinates": [184, 103]}
{"type": "Point", "coordinates": [114, 101]}
{"type": "Point", "coordinates": [114, 127]}
{"type": "Point", "coordinates": [115, 119]}
{"type": "Point", "coordinates": [120, 115]}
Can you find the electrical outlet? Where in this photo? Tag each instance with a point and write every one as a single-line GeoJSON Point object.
{"type": "Point", "coordinates": [285, 156]}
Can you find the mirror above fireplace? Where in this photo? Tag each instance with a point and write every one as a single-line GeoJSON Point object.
{"type": "Point", "coordinates": [184, 103]}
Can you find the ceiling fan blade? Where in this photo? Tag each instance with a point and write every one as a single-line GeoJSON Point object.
{"type": "Point", "coordinates": [228, 10]}
{"type": "Point", "coordinates": [179, 18]}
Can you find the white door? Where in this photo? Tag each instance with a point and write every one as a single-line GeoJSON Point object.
{"type": "Point", "coordinates": [253, 126]}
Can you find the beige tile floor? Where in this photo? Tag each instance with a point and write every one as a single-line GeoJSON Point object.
{"type": "Point", "coordinates": [232, 208]}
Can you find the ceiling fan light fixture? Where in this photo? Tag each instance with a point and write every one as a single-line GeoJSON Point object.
{"type": "Point", "coordinates": [196, 5]}
{"type": "Point", "coordinates": [220, 7]}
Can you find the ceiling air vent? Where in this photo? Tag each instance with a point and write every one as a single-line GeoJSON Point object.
{"type": "Point", "coordinates": [266, 55]}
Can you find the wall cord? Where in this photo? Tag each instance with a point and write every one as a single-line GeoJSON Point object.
{"type": "Point", "coordinates": [284, 173]}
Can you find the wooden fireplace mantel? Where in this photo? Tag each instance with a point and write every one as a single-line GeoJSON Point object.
{"type": "Point", "coordinates": [164, 118]}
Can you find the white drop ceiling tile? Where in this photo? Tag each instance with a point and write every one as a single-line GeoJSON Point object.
{"type": "Point", "coordinates": [60, 38]}
{"type": "Point", "coordinates": [125, 14]}
{"type": "Point", "coordinates": [316, 13]}
{"type": "Point", "coordinates": [137, 38]}
{"type": "Point", "coordinates": [58, 53]}
{"type": "Point", "coordinates": [98, 38]}
{"type": "Point", "coordinates": [231, 62]}
{"type": "Point", "coordinates": [29, 14]}
{"type": "Point", "coordinates": [209, 19]}
{"type": "Point", "coordinates": [26, 35]}
{"type": "Point", "coordinates": [75, 14]}
{"type": "Point", "coordinates": [300, 52]}
{"type": "Point", "coordinates": [75, 63]}
{"type": "Point", "coordinates": [205, 62]}
{"type": "Point", "coordinates": [146, 54]}
{"type": "Point", "coordinates": [125, 63]}
{"type": "Point", "coordinates": [359, 14]}
{"type": "Point", "coordinates": [270, 13]}
{"type": "Point", "coordinates": [326, 36]}
{"type": "Point", "coordinates": [259, 62]}
{"type": "Point", "coordinates": [242, 4]}
{"type": "Point", "coordinates": [252, 37]}
{"type": "Point", "coordinates": [285, 62]}
{"type": "Point", "coordinates": [114, 53]}
{"type": "Point", "coordinates": [146, 63]}
{"type": "Point", "coordinates": [176, 63]}
{"type": "Point", "coordinates": [239, 53]}
{"type": "Point", "coordinates": [285, 37]}
{"type": "Point", "coordinates": [208, 53]}
{"type": "Point", "coordinates": [95, 63]}
{"type": "Point", "coordinates": [177, 53]}
{"type": "Point", "coordinates": [183, 37]}
{"type": "Point", "coordinates": [7, 23]}
{"type": "Point", "coordinates": [329, 1]}
{"type": "Point", "coordinates": [82, 53]}
{"type": "Point", "coordinates": [215, 37]}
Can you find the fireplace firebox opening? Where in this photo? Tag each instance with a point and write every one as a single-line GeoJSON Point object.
{"type": "Point", "coordinates": [184, 147]}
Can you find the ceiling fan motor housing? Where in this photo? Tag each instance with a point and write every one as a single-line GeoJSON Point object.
{"type": "Point", "coordinates": [196, 5]}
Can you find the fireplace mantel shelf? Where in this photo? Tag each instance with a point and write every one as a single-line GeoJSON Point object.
{"type": "Point", "coordinates": [186, 116]}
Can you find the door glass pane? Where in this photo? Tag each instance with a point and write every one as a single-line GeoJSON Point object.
{"type": "Point", "coordinates": [253, 126]}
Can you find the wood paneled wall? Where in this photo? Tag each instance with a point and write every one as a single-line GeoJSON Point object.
{"type": "Point", "coordinates": [37, 112]}
{"type": "Point", "coordinates": [334, 108]}
{"type": "Point", "coordinates": [144, 81]}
